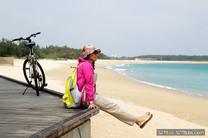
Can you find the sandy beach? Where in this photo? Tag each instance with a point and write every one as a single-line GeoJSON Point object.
{"type": "Point", "coordinates": [171, 110]}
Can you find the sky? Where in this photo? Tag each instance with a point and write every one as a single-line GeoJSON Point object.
{"type": "Point", "coordinates": [117, 27]}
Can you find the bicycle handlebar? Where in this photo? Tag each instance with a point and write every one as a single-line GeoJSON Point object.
{"type": "Point", "coordinates": [33, 35]}
{"type": "Point", "coordinates": [18, 39]}
{"type": "Point", "coordinates": [27, 38]}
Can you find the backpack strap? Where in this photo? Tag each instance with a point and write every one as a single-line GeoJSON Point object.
{"type": "Point", "coordinates": [80, 65]}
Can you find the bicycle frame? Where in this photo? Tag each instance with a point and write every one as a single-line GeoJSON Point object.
{"type": "Point", "coordinates": [32, 53]}
{"type": "Point", "coordinates": [31, 58]}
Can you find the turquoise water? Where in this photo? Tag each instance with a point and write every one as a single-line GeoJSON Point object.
{"type": "Point", "coordinates": [191, 79]}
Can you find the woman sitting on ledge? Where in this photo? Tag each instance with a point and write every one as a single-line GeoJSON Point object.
{"type": "Point", "coordinates": [87, 78]}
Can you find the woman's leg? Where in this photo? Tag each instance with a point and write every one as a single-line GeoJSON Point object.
{"type": "Point", "coordinates": [113, 109]}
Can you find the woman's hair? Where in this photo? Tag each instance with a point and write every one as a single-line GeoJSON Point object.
{"type": "Point", "coordinates": [93, 65]}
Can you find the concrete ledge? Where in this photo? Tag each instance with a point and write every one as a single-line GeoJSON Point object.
{"type": "Point", "coordinates": [7, 60]}
{"type": "Point", "coordinates": [81, 131]}
{"type": "Point", "coordinates": [64, 127]}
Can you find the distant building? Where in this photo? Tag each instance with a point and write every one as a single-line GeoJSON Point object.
{"type": "Point", "coordinates": [138, 59]}
{"type": "Point", "coordinates": [113, 56]}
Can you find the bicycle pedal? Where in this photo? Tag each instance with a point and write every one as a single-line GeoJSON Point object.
{"type": "Point", "coordinates": [26, 68]}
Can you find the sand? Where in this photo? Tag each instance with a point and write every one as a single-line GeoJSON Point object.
{"type": "Point", "coordinates": [171, 110]}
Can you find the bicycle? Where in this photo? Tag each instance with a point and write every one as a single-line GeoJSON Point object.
{"type": "Point", "coordinates": [31, 68]}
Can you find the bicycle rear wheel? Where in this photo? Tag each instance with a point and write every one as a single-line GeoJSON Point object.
{"type": "Point", "coordinates": [34, 74]}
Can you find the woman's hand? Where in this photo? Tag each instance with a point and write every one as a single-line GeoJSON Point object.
{"type": "Point", "coordinates": [91, 106]}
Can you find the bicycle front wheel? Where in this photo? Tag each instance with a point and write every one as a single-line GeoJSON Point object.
{"type": "Point", "coordinates": [34, 75]}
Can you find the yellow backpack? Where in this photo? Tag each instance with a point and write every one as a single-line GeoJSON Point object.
{"type": "Point", "coordinates": [72, 96]}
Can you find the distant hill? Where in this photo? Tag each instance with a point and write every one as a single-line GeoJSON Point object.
{"type": "Point", "coordinates": [173, 57]}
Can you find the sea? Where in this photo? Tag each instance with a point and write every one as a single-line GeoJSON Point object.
{"type": "Point", "coordinates": [185, 78]}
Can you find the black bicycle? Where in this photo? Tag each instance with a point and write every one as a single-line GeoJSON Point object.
{"type": "Point", "coordinates": [31, 68]}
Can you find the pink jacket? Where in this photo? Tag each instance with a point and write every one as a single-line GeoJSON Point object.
{"type": "Point", "coordinates": [85, 74]}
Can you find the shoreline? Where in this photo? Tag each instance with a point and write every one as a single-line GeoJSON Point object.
{"type": "Point", "coordinates": [146, 83]}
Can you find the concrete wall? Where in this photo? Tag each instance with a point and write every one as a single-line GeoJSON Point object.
{"type": "Point", "coordinates": [82, 131]}
{"type": "Point", "coordinates": [7, 60]}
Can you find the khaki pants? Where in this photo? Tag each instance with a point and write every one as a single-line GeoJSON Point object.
{"type": "Point", "coordinates": [113, 109]}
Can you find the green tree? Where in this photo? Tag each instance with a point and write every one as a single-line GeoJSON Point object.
{"type": "Point", "coordinates": [7, 48]}
{"type": "Point", "coordinates": [22, 50]}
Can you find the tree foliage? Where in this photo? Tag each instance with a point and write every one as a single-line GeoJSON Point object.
{"type": "Point", "coordinates": [7, 48]}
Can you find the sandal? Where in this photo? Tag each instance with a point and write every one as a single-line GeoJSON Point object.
{"type": "Point", "coordinates": [148, 118]}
